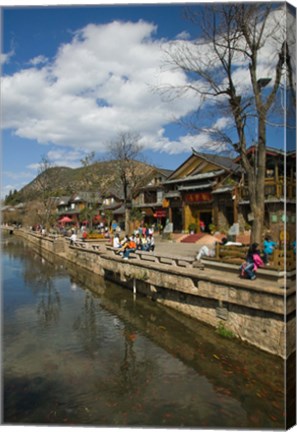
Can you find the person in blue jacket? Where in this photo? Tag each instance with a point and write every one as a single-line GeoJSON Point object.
{"type": "Point", "coordinates": [268, 248]}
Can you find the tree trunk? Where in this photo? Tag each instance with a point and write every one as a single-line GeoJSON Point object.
{"type": "Point", "coordinates": [257, 200]}
{"type": "Point", "coordinates": [127, 220]}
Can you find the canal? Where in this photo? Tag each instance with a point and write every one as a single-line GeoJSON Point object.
{"type": "Point", "coordinates": [77, 350]}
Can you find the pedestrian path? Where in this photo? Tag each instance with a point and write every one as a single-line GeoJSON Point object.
{"type": "Point", "coordinates": [178, 247]}
{"type": "Point", "coordinates": [173, 247]}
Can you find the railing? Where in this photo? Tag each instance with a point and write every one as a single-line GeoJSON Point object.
{"type": "Point", "coordinates": [281, 259]}
{"type": "Point", "coordinates": [273, 188]}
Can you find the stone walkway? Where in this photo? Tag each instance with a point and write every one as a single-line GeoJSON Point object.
{"type": "Point", "coordinates": [185, 249]}
{"type": "Point", "coordinates": [172, 247]}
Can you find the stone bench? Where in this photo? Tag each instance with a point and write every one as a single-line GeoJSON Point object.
{"type": "Point", "coordinates": [270, 273]}
{"type": "Point", "coordinates": [112, 249]}
{"type": "Point", "coordinates": [175, 260]}
{"type": "Point", "coordinates": [79, 244]}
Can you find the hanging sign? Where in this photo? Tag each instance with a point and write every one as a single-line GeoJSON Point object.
{"type": "Point", "coordinates": [198, 197]}
{"type": "Point", "coordinates": [160, 214]}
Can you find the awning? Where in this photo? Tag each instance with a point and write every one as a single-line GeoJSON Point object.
{"type": "Point", "coordinates": [197, 187]}
{"type": "Point", "coordinates": [223, 189]}
{"type": "Point", "coordinates": [173, 194]}
{"type": "Point", "coordinates": [65, 219]}
{"type": "Point", "coordinates": [119, 211]}
{"type": "Point", "coordinates": [196, 177]}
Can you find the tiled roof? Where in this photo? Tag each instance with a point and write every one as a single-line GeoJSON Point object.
{"type": "Point", "coordinates": [222, 161]}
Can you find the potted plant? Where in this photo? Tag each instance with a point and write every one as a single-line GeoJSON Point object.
{"type": "Point", "coordinates": [212, 228]}
{"type": "Point", "coordinates": [192, 228]}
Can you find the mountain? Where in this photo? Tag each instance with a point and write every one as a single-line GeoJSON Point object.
{"type": "Point", "coordinates": [100, 176]}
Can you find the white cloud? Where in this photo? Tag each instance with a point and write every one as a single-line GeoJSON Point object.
{"type": "Point", "coordinates": [99, 84]}
{"type": "Point", "coordinates": [183, 35]}
{"type": "Point", "coordinates": [104, 82]}
{"type": "Point", "coordinates": [38, 60]}
{"type": "Point", "coordinates": [61, 157]}
{"type": "Point", "coordinates": [222, 123]}
{"type": "Point", "coordinates": [5, 58]}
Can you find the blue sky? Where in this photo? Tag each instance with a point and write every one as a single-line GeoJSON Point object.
{"type": "Point", "coordinates": [74, 77]}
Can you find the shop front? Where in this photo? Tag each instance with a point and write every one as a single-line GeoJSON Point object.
{"type": "Point", "coordinates": [198, 211]}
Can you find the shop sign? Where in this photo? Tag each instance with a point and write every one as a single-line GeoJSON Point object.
{"type": "Point", "coordinates": [198, 197]}
{"type": "Point", "coordinates": [160, 214]}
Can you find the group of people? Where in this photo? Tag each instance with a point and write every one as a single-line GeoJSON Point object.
{"type": "Point", "coordinates": [133, 243]}
{"type": "Point", "coordinates": [254, 259]}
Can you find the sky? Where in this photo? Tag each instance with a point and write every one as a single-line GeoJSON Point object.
{"type": "Point", "coordinates": [75, 77]}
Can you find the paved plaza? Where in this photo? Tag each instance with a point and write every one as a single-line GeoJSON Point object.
{"type": "Point", "coordinates": [176, 247]}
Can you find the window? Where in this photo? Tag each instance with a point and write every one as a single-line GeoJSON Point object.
{"type": "Point", "coordinates": [159, 196]}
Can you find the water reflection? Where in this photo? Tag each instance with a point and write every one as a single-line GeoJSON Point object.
{"type": "Point", "coordinates": [79, 350]}
{"type": "Point", "coordinates": [86, 326]}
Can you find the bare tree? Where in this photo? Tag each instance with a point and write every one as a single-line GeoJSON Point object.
{"type": "Point", "coordinates": [46, 181]}
{"type": "Point", "coordinates": [90, 185]}
{"type": "Point", "coordinates": [124, 152]}
{"type": "Point", "coordinates": [224, 69]}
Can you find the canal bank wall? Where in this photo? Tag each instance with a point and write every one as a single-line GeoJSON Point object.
{"type": "Point", "coordinates": [262, 315]}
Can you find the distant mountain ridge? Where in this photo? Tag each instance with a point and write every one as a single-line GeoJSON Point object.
{"type": "Point", "coordinates": [61, 181]}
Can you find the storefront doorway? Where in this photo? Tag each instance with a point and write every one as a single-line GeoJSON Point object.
{"type": "Point", "coordinates": [177, 219]}
{"type": "Point", "coordinates": [206, 217]}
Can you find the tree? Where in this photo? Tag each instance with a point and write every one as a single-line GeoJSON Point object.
{"type": "Point", "coordinates": [124, 152]}
{"type": "Point", "coordinates": [13, 198]}
{"type": "Point", "coordinates": [225, 68]}
{"type": "Point", "coordinates": [91, 187]}
{"type": "Point", "coordinates": [46, 182]}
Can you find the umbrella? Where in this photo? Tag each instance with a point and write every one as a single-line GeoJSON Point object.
{"type": "Point", "coordinates": [65, 219]}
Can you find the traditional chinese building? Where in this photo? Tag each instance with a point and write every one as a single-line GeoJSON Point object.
{"type": "Point", "coordinates": [213, 189]}
{"type": "Point", "coordinates": [280, 193]}
{"type": "Point", "coordinates": [149, 198]}
{"type": "Point", "coordinates": [202, 191]}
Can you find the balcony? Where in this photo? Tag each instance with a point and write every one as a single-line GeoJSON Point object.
{"type": "Point", "coordinates": [273, 189]}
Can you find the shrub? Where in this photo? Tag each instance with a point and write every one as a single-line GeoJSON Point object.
{"type": "Point", "coordinates": [212, 228]}
{"type": "Point", "coordinates": [224, 332]}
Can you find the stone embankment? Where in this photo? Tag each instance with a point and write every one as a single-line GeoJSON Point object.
{"type": "Point", "coordinates": [260, 312]}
